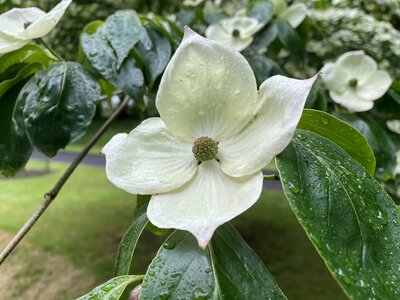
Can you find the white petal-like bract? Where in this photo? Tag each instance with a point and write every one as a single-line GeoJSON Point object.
{"type": "Point", "coordinates": [149, 159]}
{"type": "Point", "coordinates": [209, 200]}
{"type": "Point", "coordinates": [281, 102]}
{"type": "Point", "coordinates": [294, 14]}
{"type": "Point", "coordinates": [207, 89]}
{"type": "Point", "coordinates": [236, 32]}
{"type": "Point", "coordinates": [354, 81]}
{"type": "Point", "coordinates": [19, 26]}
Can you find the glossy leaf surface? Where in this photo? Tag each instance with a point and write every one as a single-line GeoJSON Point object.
{"type": "Point", "coordinates": [351, 220]}
{"type": "Point", "coordinates": [155, 52]}
{"type": "Point", "coordinates": [112, 289]}
{"type": "Point", "coordinates": [128, 243]}
{"type": "Point", "coordinates": [226, 269]}
{"type": "Point", "coordinates": [381, 143]}
{"type": "Point", "coordinates": [98, 46]}
{"type": "Point", "coordinates": [59, 106]}
{"type": "Point", "coordinates": [15, 148]}
{"type": "Point", "coordinates": [341, 133]}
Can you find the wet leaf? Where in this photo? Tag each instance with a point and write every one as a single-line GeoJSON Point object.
{"type": "Point", "coordinates": [155, 52]}
{"type": "Point", "coordinates": [341, 133]}
{"type": "Point", "coordinates": [15, 148]}
{"type": "Point", "coordinates": [112, 289]}
{"type": "Point", "coordinates": [381, 143]}
{"type": "Point", "coordinates": [348, 216]}
{"type": "Point", "coordinates": [128, 243]}
{"type": "Point", "coordinates": [227, 269]}
{"type": "Point", "coordinates": [98, 47]}
{"type": "Point", "coordinates": [60, 104]}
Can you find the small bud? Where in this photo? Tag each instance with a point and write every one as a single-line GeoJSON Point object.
{"type": "Point", "coordinates": [135, 293]}
{"type": "Point", "coordinates": [205, 148]}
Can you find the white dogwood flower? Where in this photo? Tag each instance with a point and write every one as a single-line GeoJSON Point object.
{"type": "Point", "coordinates": [293, 14]}
{"type": "Point", "coordinates": [236, 32]}
{"type": "Point", "coordinates": [354, 81]}
{"type": "Point", "coordinates": [19, 26]}
{"type": "Point", "coordinates": [202, 159]}
{"type": "Point", "coordinates": [394, 125]}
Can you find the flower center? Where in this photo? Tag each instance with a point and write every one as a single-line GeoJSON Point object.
{"type": "Point", "coordinates": [205, 148]}
{"type": "Point", "coordinates": [27, 24]}
{"type": "Point", "coordinates": [353, 82]}
{"type": "Point", "coordinates": [235, 33]}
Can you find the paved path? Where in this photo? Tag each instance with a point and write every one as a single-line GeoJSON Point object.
{"type": "Point", "coordinates": [99, 161]}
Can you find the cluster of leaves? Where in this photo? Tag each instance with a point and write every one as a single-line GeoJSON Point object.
{"type": "Point", "coordinates": [50, 108]}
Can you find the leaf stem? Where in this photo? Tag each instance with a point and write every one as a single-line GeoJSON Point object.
{"type": "Point", "coordinates": [50, 196]}
{"type": "Point", "coordinates": [52, 51]}
{"type": "Point", "coordinates": [272, 177]}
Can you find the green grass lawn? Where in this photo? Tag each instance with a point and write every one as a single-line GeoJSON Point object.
{"type": "Point", "coordinates": [84, 224]}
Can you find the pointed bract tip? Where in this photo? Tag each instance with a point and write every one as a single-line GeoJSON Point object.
{"type": "Point", "coordinates": [189, 34]}
{"type": "Point", "coordinates": [203, 244]}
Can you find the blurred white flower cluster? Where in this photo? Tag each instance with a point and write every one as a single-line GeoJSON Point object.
{"type": "Point", "coordinates": [341, 30]}
{"type": "Point", "coordinates": [385, 9]}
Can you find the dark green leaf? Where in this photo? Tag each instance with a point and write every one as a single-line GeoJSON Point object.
{"type": "Point", "coordinates": [112, 289]}
{"type": "Point", "coordinates": [239, 272]}
{"type": "Point", "coordinates": [348, 216]}
{"type": "Point", "coordinates": [263, 67]}
{"type": "Point", "coordinates": [381, 143]}
{"type": "Point", "coordinates": [128, 243]}
{"type": "Point", "coordinates": [15, 148]}
{"type": "Point", "coordinates": [291, 41]}
{"type": "Point", "coordinates": [123, 30]}
{"type": "Point", "coordinates": [345, 136]}
{"type": "Point", "coordinates": [103, 58]}
{"type": "Point", "coordinates": [155, 52]}
{"type": "Point", "coordinates": [261, 10]}
{"type": "Point", "coordinates": [395, 96]}
{"type": "Point", "coordinates": [228, 269]}
{"type": "Point", "coordinates": [263, 39]}
{"type": "Point", "coordinates": [59, 105]}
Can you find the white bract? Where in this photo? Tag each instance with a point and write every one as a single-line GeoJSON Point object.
{"type": "Point", "coordinates": [394, 125]}
{"type": "Point", "coordinates": [293, 14]}
{"type": "Point", "coordinates": [235, 32]}
{"type": "Point", "coordinates": [354, 81]}
{"type": "Point", "coordinates": [19, 26]}
{"type": "Point", "coordinates": [192, 2]}
{"type": "Point", "coordinates": [202, 159]}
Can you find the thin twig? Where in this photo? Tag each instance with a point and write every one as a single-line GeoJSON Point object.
{"type": "Point", "coordinates": [272, 177]}
{"type": "Point", "coordinates": [50, 196]}
{"type": "Point", "coordinates": [52, 51]}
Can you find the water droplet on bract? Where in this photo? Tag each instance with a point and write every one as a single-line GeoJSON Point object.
{"type": "Point", "coordinates": [169, 245]}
